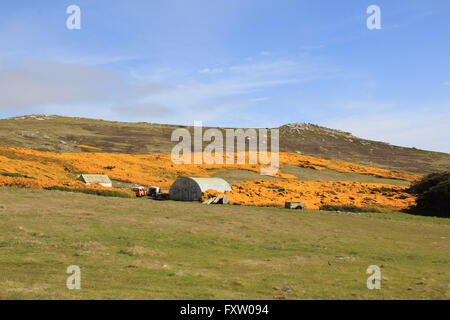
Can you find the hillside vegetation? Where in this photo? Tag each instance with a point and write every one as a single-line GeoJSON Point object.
{"type": "Point", "coordinates": [48, 170]}
{"type": "Point", "coordinates": [433, 195]}
{"type": "Point", "coordinates": [64, 134]}
{"type": "Point", "coordinates": [144, 249]}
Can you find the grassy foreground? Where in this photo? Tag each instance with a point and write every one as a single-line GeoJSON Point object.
{"type": "Point", "coordinates": [144, 249]}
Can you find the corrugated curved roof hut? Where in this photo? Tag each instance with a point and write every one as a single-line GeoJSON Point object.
{"type": "Point", "coordinates": [190, 188]}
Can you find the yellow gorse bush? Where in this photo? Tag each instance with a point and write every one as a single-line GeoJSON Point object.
{"type": "Point", "coordinates": [316, 194]}
{"type": "Point", "coordinates": [47, 169]}
{"type": "Point", "coordinates": [83, 146]}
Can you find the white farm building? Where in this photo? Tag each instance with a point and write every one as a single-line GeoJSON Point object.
{"type": "Point", "coordinates": [190, 189]}
{"type": "Point", "coordinates": [101, 179]}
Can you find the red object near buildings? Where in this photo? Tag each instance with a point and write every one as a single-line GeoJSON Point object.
{"type": "Point", "coordinates": [140, 191]}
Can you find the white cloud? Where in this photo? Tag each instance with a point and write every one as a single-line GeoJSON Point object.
{"type": "Point", "coordinates": [423, 128]}
{"type": "Point", "coordinates": [273, 68]}
{"type": "Point", "coordinates": [211, 71]}
{"type": "Point", "coordinates": [142, 110]}
{"type": "Point", "coordinates": [193, 96]}
{"type": "Point", "coordinates": [262, 99]}
{"type": "Point", "coordinates": [61, 88]}
{"type": "Point", "coordinates": [33, 83]}
{"type": "Point", "coordinates": [94, 60]}
{"type": "Point", "coordinates": [446, 83]}
{"type": "Point", "coordinates": [143, 93]}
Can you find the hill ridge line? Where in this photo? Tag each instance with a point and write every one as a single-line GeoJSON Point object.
{"type": "Point", "coordinates": [62, 134]}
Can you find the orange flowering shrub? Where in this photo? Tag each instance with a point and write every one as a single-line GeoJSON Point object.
{"type": "Point", "coordinates": [342, 166]}
{"type": "Point", "coordinates": [61, 169]}
{"type": "Point", "coordinates": [83, 146]}
{"type": "Point", "coordinates": [315, 194]}
{"type": "Point", "coordinates": [210, 193]}
{"type": "Point", "coordinates": [48, 184]}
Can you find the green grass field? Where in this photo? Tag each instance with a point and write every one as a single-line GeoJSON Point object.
{"type": "Point", "coordinates": [145, 249]}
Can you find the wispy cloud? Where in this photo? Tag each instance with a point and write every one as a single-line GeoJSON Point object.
{"type": "Point", "coordinates": [211, 71]}
{"type": "Point", "coordinates": [148, 92]}
{"type": "Point", "coordinates": [27, 84]}
{"type": "Point", "coordinates": [94, 60]}
{"type": "Point", "coordinates": [424, 128]}
{"type": "Point", "coordinates": [262, 99]}
{"type": "Point", "coordinates": [55, 86]}
{"type": "Point", "coordinates": [142, 111]}
{"type": "Point", "coordinates": [231, 87]}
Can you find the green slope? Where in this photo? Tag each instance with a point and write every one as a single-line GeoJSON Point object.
{"type": "Point", "coordinates": [145, 249]}
{"type": "Point", "coordinates": [62, 134]}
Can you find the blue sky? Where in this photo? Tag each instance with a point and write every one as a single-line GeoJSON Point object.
{"type": "Point", "coordinates": [242, 63]}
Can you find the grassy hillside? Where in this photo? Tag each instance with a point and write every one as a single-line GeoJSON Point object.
{"type": "Point", "coordinates": [314, 181]}
{"type": "Point", "coordinates": [63, 134]}
{"type": "Point", "coordinates": [144, 249]}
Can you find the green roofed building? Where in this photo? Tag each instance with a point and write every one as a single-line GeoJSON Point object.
{"type": "Point", "coordinates": [101, 179]}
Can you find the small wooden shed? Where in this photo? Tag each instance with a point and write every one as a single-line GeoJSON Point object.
{"type": "Point", "coordinates": [294, 205]}
{"type": "Point", "coordinates": [190, 188]}
{"type": "Point", "coordinates": [101, 179]}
